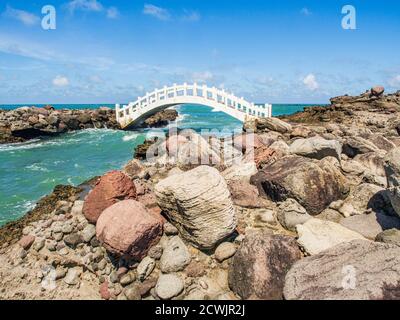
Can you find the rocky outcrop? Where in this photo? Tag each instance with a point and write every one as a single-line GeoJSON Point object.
{"type": "Point", "coordinates": [313, 183]}
{"type": "Point", "coordinates": [260, 264]}
{"type": "Point", "coordinates": [316, 148]}
{"type": "Point", "coordinates": [356, 270]}
{"type": "Point", "coordinates": [273, 124]}
{"type": "Point", "coordinates": [109, 189]}
{"type": "Point", "coordinates": [317, 235]}
{"type": "Point", "coordinates": [160, 119]}
{"type": "Point", "coordinates": [128, 229]}
{"type": "Point", "coordinates": [198, 202]}
{"type": "Point", "coordinates": [31, 122]}
{"type": "Point", "coordinates": [392, 169]}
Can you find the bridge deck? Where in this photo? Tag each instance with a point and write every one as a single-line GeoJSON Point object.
{"type": "Point", "coordinates": [135, 112]}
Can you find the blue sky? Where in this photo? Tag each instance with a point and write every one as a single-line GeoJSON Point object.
{"type": "Point", "coordinates": [106, 51]}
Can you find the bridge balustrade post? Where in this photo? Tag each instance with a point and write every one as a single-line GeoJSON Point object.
{"type": "Point", "coordinates": [185, 89]}
{"type": "Point", "coordinates": [204, 89]}
{"type": "Point", "coordinates": [195, 89]}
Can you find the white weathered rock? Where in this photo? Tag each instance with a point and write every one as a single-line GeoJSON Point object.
{"type": "Point", "coordinates": [240, 172]}
{"type": "Point", "coordinates": [77, 207]}
{"type": "Point", "coordinates": [318, 235]}
{"type": "Point", "coordinates": [175, 256]}
{"type": "Point", "coordinates": [73, 276]}
{"type": "Point", "coordinates": [199, 204]}
{"type": "Point", "coordinates": [316, 147]}
{"type": "Point", "coordinates": [88, 232]}
{"type": "Point", "coordinates": [169, 286]}
{"type": "Point", "coordinates": [273, 124]}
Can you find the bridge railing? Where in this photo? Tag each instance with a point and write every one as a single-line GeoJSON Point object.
{"type": "Point", "coordinates": [216, 97]}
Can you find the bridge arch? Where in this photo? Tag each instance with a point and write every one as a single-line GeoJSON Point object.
{"type": "Point", "coordinates": [135, 112]}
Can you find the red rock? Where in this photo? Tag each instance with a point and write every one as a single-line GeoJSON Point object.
{"type": "Point", "coordinates": [263, 156]}
{"type": "Point", "coordinates": [104, 292]}
{"type": "Point", "coordinates": [150, 202]}
{"type": "Point", "coordinates": [244, 194]}
{"type": "Point", "coordinates": [377, 91]}
{"type": "Point", "coordinates": [128, 229]}
{"type": "Point", "coordinates": [26, 241]}
{"type": "Point", "coordinates": [109, 189]}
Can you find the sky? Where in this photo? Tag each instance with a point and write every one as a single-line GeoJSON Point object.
{"type": "Point", "coordinates": [104, 51]}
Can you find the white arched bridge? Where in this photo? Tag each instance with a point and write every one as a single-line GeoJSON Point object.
{"type": "Point", "coordinates": [135, 112]}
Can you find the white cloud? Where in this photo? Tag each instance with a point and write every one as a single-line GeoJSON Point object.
{"type": "Point", "coordinates": [395, 81]}
{"type": "Point", "coordinates": [306, 12]}
{"type": "Point", "coordinates": [157, 12]}
{"type": "Point", "coordinates": [202, 77]}
{"type": "Point", "coordinates": [191, 16]}
{"type": "Point", "coordinates": [27, 18]}
{"type": "Point", "coordinates": [60, 81]}
{"type": "Point", "coordinates": [112, 13]}
{"type": "Point", "coordinates": [311, 82]}
{"type": "Point", "coordinates": [85, 5]}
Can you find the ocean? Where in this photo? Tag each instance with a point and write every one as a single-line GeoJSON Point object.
{"type": "Point", "coordinates": [30, 170]}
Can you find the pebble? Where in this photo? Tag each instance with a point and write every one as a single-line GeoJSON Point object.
{"type": "Point", "coordinates": [114, 277]}
{"type": "Point", "coordinates": [145, 268]}
{"type": "Point", "coordinates": [132, 293]}
{"type": "Point", "coordinates": [72, 240]}
{"type": "Point", "coordinates": [88, 232]}
{"type": "Point", "coordinates": [73, 276]}
{"type": "Point", "coordinates": [67, 228]}
{"type": "Point", "coordinates": [156, 252]}
{"type": "Point", "coordinates": [224, 251]}
{"type": "Point", "coordinates": [175, 257]}
{"type": "Point", "coordinates": [58, 236]}
{"type": "Point", "coordinates": [170, 229]}
{"type": "Point", "coordinates": [126, 279]}
{"type": "Point", "coordinates": [38, 244]}
{"type": "Point", "coordinates": [169, 286]}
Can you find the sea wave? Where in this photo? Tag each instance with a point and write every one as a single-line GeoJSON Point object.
{"type": "Point", "coordinates": [37, 167]}
{"type": "Point", "coordinates": [130, 137]}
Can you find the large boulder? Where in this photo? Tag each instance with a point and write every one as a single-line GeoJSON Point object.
{"type": "Point", "coordinates": [128, 229]}
{"type": "Point", "coordinates": [316, 147]}
{"type": "Point", "coordinates": [273, 124]}
{"type": "Point", "coordinates": [358, 145]}
{"type": "Point", "coordinates": [318, 235]}
{"type": "Point", "coordinates": [356, 270]}
{"type": "Point", "coordinates": [392, 169]}
{"type": "Point", "coordinates": [244, 194]}
{"type": "Point", "coordinates": [313, 183]}
{"type": "Point", "coordinates": [260, 264]}
{"type": "Point", "coordinates": [109, 189]}
{"type": "Point", "coordinates": [198, 202]}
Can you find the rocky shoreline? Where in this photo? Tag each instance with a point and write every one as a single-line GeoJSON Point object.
{"type": "Point", "coordinates": [301, 207]}
{"type": "Point", "coordinates": [26, 123]}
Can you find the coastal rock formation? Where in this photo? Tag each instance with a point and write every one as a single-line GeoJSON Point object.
{"type": "Point", "coordinates": [392, 168]}
{"type": "Point", "coordinates": [160, 119]}
{"type": "Point", "coordinates": [30, 122]}
{"type": "Point", "coordinates": [128, 229]}
{"type": "Point", "coordinates": [260, 264]}
{"type": "Point", "coordinates": [273, 124]}
{"type": "Point", "coordinates": [317, 235]}
{"type": "Point", "coordinates": [313, 183]}
{"type": "Point", "coordinates": [356, 270]}
{"type": "Point", "coordinates": [316, 148]}
{"type": "Point", "coordinates": [109, 189]}
{"type": "Point", "coordinates": [198, 202]}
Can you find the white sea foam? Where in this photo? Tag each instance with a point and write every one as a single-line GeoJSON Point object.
{"type": "Point", "coordinates": [130, 137]}
{"type": "Point", "coordinates": [37, 167]}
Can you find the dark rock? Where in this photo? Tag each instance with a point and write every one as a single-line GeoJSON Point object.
{"type": "Point", "coordinates": [161, 119]}
{"type": "Point", "coordinates": [260, 264]}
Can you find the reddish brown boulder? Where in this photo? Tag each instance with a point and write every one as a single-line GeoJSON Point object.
{"type": "Point", "coordinates": [263, 156]}
{"type": "Point", "coordinates": [26, 241]}
{"type": "Point", "coordinates": [244, 194]}
{"type": "Point", "coordinates": [260, 264]}
{"type": "Point", "coordinates": [377, 91]}
{"type": "Point", "coordinates": [128, 229]}
{"type": "Point", "coordinates": [109, 189]}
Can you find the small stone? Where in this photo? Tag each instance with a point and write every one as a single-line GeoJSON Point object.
{"type": "Point", "coordinates": [64, 251]}
{"type": "Point", "coordinates": [73, 276]}
{"type": "Point", "coordinates": [145, 268]}
{"type": "Point", "coordinates": [169, 286]}
{"type": "Point", "coordinates": [60, 273]}
{"type": "Point", "coordinates": [58, 236]}
{"type": "Point", "coordinates": [145, 286]}
{"type": "Point", "coordinates": [126, 279]}
{"type": "Point", "coordinates": [195, 270]}
{"type": "Point", "coordinates": [114, 277]}
{"type": "Point", "coordinates": [72, 240]}
{"type": "Point", "coordinates": [26, 241]}
{"type": "Point", "coordinates": [88, 232]}
{"type": "Point", "coordinates": [67, 228]}
{"type": "Point", "coordinates": [132, 293]}
{"type": "Point", "coordinates": [170, 229]}
{"type": "Point", "coordinates": [39, 244]}
{"type": "Point", "coordinates": [224, 251]}
{"type": "Point", "coordinates": [22, 253]}
{"type": "Point", "coordinates": [155, 252]}
{"type": "Point", "coordinates": [102, 264]}
{"type": "Point", "coordinates": [51, 246]}
{"type": "Point", "coordinates": [104, 291]}
{"type": "Point", "coordinates": [175, 257]}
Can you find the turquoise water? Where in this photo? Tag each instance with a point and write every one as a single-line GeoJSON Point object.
{"type": "Point", "coordinates": [31, 170]}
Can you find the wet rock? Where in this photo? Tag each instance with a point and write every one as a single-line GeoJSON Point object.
{"type": "Point", "coordinates": [128, 229]}
{"type": "Point", "coordinates": [259, 266]}
{"type": "Point", "coordinates": [175, 257]}
{"type": "Point", "coordinates": [198, 203]}
{"type": "Point", "coordinates": [224, 251]}
{"type": "Point", "coordinates": [316, 148]}
{"type": "Point", "coordinates": [313, 183]}
{"type": "Point", "coordinates": [111, 188]}
{"type": "Point", "coordinates": [356, 270]}
{"type": "Point", "coordinates": [291, 213]}
{"type": "Point", "coordinates": [317, 235]}
{"type": "Point", "coordinates": [169, 286]}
